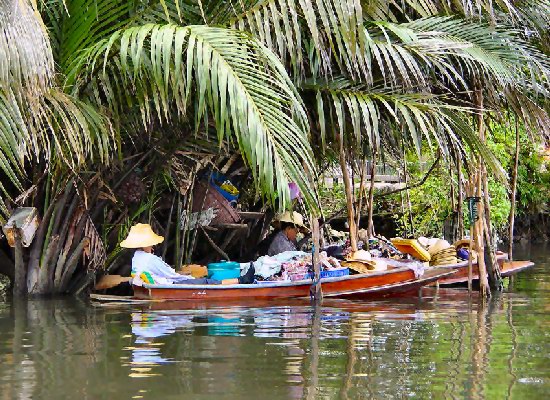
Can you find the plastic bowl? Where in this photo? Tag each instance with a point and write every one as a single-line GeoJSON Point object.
{"type": "Point", "coordinates": [222, 274]}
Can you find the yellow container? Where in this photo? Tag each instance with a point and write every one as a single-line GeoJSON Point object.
{"type": "Point", "coordinates": [412, 247]}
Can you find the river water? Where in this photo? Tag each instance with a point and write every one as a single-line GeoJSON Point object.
{"type": "Point", "coordinates": [443, 345]}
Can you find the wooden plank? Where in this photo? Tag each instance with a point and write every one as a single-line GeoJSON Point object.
{"type": "Point", "coordinates": [251, 214]}
{"type": "Point", "coordinates": [232, 226]}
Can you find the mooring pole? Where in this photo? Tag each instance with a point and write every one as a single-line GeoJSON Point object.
{"type": "Point", "coordinates": [470, 259]}
{"type": "Point", "coordinates": [472, 216]}
{"type": "Point", "coordinates": [316, 288]}
{"type": "Point", "coordinates": [20, 279]}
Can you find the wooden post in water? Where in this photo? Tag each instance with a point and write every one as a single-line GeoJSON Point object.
{"type": "Point", "coordinates": [470, 248]}
{"type": "Point", "coordinates": [20, 280]}
{"type": "Point", "coordinates": [317, 290]}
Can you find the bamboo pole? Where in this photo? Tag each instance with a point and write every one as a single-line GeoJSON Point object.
{"type": "Point", "coordinates": [460, 200]}
{"type": "Point", "coordinates": [370, 226]}
{"type": "Point", "coordinates": [349, 197]}
{"type": "Point", "coordinates": [512, 216]}
{"type": "Point", "coordinates": [480, 244]}
{"type": "Point", "coordinates": [362, 174]}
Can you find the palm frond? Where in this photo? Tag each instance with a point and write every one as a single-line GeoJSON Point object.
{"type": "Point", "coordinates": [487, 50]}
{"type": "Point", "coordinates": [290, 28]}
{"type": "Point", "coordinates": [54, 126]}
{"type": "Point", "coordinates": [416, 118]}
{"type": "Point", "coordinates": [235, 81]}
{"type": "Point", "coordinates": [26, 59]}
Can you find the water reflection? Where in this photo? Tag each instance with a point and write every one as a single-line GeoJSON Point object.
{"type": "Point", "coordinates": [444, 345]}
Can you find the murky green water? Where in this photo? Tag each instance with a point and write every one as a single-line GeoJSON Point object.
{"type": "Point", "coordinates": [444, 345]}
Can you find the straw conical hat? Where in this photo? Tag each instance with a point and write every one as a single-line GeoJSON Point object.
{"type": "Point", "coordinates": [141, 235]}
{"type": "Point", "coordinates": [438, 246]}
{"type": "Point", "coordinates": [360, 255]}
{"type": "Point", "coordinates": [293, 218]}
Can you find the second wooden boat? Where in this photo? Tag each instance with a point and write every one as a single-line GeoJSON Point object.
{"type": "Point", "coordinates": [394, 281]}
{"type": "Point", "coordinates": [507, 268]}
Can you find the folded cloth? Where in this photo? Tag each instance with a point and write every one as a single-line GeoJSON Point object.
{"type": "Point", "coordinates": [417, 266]}
{"type": "Point", "coordinates": [195, 270]}
{"type": "Point", "coordinates": [268, 266]}
{"type": "Point", "coordinates": [148, 268]}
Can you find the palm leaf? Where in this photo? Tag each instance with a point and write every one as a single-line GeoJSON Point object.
{"type": "Point", "coordinates": [26, 59]}
{"type": "Point", "coordinates": [53, 127]}
{"type": "Point", "coordinates": [417, 118]}
{"type": "Point", "coordinates": [234, 80]}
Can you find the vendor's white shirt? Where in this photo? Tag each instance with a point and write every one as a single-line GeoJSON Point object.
{"type": "Point", "coordinates": [161, 272]}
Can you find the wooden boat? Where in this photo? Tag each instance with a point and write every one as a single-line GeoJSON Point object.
{"type": "Point", "coordinates": [394, 281]}
{"type": "Point", "coordinates": [507, 268]}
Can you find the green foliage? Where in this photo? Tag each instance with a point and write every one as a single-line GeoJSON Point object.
{"type": "Point", "coordinates": [332, 199]}
{"type": "Point", "coordinates": [533, 181]}
{"type": "Point", "coordinates": [430, 203]}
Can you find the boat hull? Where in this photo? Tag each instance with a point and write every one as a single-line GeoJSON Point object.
{"type": "Point", "coordinates": [394, 282]}
{"type": "Point", "coordinates": [507, 268]}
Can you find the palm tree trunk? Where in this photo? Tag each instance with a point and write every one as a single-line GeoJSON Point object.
{"type": "Point", "coordinates": [512, 216]}
{"type": "Point", "coordinates": [349, 197]}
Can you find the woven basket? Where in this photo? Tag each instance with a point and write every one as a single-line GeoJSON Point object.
{"type": "Point", "coordinates": [206, 196]}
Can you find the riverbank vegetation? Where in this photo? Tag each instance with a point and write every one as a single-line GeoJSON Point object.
{"type": "Point", "coordinates": [112, 111]}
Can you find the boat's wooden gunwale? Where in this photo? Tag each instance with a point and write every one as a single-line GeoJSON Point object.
{"type": "Point", "coordinates": [380, 284]}
{"type": "Point", "coordinates": [461, 277]}
{"type": "Point", "coordinates": [276, 284]}
{"type": "Point", "coordinates": [403, 286]}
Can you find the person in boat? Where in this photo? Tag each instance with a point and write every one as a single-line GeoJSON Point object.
{"type": "Point", "coordinates": [149, 268]}
{"type": "Point", "coordinates": [289, 224]}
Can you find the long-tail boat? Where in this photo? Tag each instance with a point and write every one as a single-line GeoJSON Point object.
{"type": "Point", "coordinates": [379, 284]}
{"type": "Point", "coordinates": [460, 277]}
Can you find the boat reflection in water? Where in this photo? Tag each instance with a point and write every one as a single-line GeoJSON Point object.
{"type": "Point", "coordinates": [286, 323]}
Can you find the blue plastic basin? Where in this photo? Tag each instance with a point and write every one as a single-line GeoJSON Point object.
{"type": "Point", "coordinates": [225, 274]}
{"type": "Point", "coordinates": [224, 270]}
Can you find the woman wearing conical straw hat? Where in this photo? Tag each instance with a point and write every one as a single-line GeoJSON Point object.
{"type": "Point", "coordinates": [289, 224]}
{"type": "Point", "coordinates": [149, 268]}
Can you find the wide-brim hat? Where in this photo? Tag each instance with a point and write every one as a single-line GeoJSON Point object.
{"type": "Point", "coordinates": [365, 266]}
{"type": "Point", "coordinates": [438, 246]}
{"type": "Point", "coordinates": [141, 235]}
{"type": "Point", "coordinates": [360, 255]}
{"type": "Point", "coordinates": [292, 218]}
